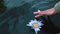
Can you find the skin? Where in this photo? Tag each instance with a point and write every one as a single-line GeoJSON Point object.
{"type": "Point", "coordinates": [45, 12]}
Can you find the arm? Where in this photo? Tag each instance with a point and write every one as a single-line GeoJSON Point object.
{"type": "Point", "coordinates": [51, 11]}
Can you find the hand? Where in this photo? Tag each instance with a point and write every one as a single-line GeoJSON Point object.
{"type": "Point", "coordinates": [46, 12]}
{"type": "Point", "coordinates": [38, 13]}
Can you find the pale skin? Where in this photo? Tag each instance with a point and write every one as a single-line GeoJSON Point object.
{"type": "Point", "coordinates": [45, 12]}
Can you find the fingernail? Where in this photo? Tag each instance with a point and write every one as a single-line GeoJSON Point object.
{"type": "Point", "coordinates": [35, 16]}
{"type": "Point", "coordinates": [38, 10]}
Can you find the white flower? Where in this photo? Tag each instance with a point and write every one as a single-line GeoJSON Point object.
{"type": "Point", "coordinates": [36, 25]}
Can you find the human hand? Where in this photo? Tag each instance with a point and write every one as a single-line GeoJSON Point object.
{"type": "Point", "coordinates": [46, 12]}
{"type": "Point", "coordinates": [38, 13]}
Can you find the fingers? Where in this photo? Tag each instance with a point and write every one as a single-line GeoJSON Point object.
{"type": "Point", "coordinates": [37, 16]}
{"type": "Point", "coordinates": [38, 12]}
